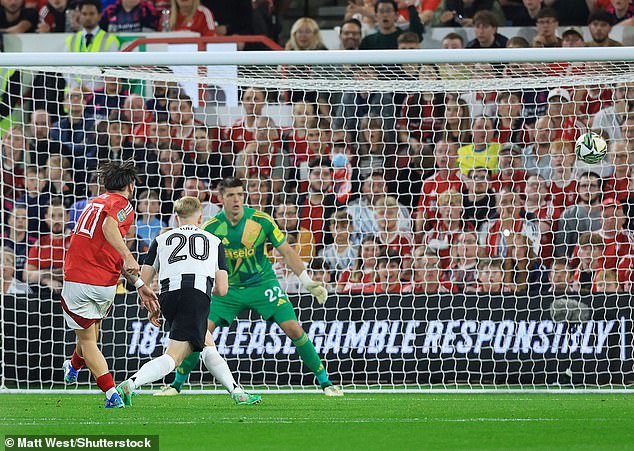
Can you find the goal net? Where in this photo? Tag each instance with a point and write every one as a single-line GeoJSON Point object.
{"type": "Point", "coordinates": [463, 243]}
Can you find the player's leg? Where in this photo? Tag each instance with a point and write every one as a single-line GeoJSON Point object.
{"type": "Point", "coordinates": [71, 367]}
{"type": "Point", "coordinates": [219, 369]}
{"type": "Point", "coordinates": [155, 369]}
{"type": "Point", "coordinates": [96, 363]}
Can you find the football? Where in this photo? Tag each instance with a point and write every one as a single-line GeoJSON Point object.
{"type": "Point", "coordinates": [591, 148]}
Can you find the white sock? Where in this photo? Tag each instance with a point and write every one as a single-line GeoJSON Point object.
{"type": "Point", "coordinates": [219, 369]}
{"type": "Point", "coordinates": [110, 392]}
{"type": "Point", "coordinates": [154, 370]}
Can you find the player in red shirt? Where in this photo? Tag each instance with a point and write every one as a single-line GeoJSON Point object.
{"type": "Point", "coordinates": [97, 255]}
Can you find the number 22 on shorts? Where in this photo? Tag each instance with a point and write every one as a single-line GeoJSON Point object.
{"type": "Point", "coordinates": [274, 294]}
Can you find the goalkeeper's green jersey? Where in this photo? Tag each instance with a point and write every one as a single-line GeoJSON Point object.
{"type": "Point", "coordinates": [245, 245]}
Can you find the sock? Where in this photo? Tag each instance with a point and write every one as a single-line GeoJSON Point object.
{"type": "Point", "coordinates": [77, 362]}
{"type": "Point", "coordinates": [154, 370]}
{"type": "Point", "coordinates": [186, 367]}
{"type": "Point", "coordinates": [307, 353]}
{"type": "Point", "coordinates": [219, 369]}
{"type": "Point", "coordinates": [105, 382]}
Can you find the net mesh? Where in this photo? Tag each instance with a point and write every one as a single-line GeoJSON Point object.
{"type": "Point", "coordinates": [462, 241]}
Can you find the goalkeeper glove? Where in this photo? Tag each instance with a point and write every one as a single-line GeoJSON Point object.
{"type": "Point", "coordinates": [315, 288]}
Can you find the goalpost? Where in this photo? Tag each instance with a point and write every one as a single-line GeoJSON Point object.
{"type": "Point", "coordinates": [511, 272]}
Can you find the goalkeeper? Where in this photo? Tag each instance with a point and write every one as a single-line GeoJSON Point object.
{"type": "Point", "coordinates": [244, 232]}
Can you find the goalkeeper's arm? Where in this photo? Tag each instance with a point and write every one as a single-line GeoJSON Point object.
{"type": "Point", "coordinates": [295, 263]}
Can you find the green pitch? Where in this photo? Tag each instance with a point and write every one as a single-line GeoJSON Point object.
{"type": "Point", "coordinates": [358, 421]}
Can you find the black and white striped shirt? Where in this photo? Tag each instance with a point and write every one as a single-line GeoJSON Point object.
{"type": "Point", "coordinates": [186, 257]}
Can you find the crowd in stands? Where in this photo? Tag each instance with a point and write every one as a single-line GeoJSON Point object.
{"type": "Point", "coordinates": [379, 192]}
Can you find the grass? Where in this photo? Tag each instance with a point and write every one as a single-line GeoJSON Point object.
{"type": "Point", "coordinates": [357, 421]}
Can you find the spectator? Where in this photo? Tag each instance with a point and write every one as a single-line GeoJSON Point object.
{"type": "Point", "coordinates": [350, 34]}
{"type": "Point", "coordinates": [300, 238]}
{"type": "Point", "coordinates": [130, 16]}
{"type": "Point", "coordinates": [90, 38]}
{"type": "Point", "coordinates": [537, 156]}
{"type": "Point", "coordinates": [452, 41]}
{"type": "Point", "coordinates": [341, 253]}
{"type": "Point", "coordinates": [148, 223]}
{"type": "Point", "coordinates": [235, 17]}
{"type": "Point", "coordinates": [387, 35]}
{"type": "Point", "coordinates": [260, 195]}
{"type": "Point", "coordinates": [485, 24]}
{"type": "Point", "coordinates": [377, 150]}
{"type": "Point", "coordinates": [362, 211]}
{"type": "Point", "coordinates": [483, 152]}
{"type": "Point", "coordinates": [607, 282]}
{"type": "Point", "coordinates": [295, 139]}
{"type": "Point", "coordinates": [448, 225]}
{"type": "Point", "coordinates": [190, 15]}
{"type": "Point", "coordinates": [427, 275]}
{"type": "Point", "coordinates": [514, 237]}
{"type": "Point", "coordinates": [17, 239]}
{"type": "Point", "coordinates": [527, 14]}
{"type": "Point", "coordinates": [588, 253]}
{"type": "Point", "coordinates": [462, 274]}
{"type": "Point", "coordinates": [305, 35]}
{"type": "Point", "coordinates": [618, 186]}
{"type": "Point", "coordinates": [563, 185]}
{"type": "Point", "coordinates": [113, 139]}
{"type": "Point", "coordinates": [46, 257]}
{"type": "Point", "coordinates": [10, 284]}
{"type": "Point", "coordinates": [363, 277]}
{"type": "Point", "coordinates": [172, 179]}
{"type": "Point", "coordinates": [409, 41]}
{"type": "Point", "coordinates": [608, 121]}
{"type": "Point", "coordinates": [241, 132]}
{"type": "Point", "coordinates": [136, 118]}
{"type": "Point", "coordinates": [391, 275]}
{"type": "Point", "coordinates": [14, 154]}
{"type": "Point", "coordinates": [456, 124]}
{"type": "Point", "coordinates": [547, 23]}
{"type": "Point", "coordinates": [397, 242]}
{"type": "Point", "coordinates": [262, 157]}
{"type": "Point", "coordinates": [600, 25]}
{"type": "Point", "coordinates": [584, 216]}
{"type": "Point", "coordinates": [52, 17]}
{"type": "Point", "coordinates": [108, 98]}
{"type": "Point", "coordinates": [510, 124]}
{"type": "Point", "coordinates": [158, 103]}
{"type": "Point", "coordinates": [572, 38]}
{"type": "Point", "coordinates": [490, 275]}
{"type": "Point", "coordinates": [36, 198]}
{"type": "Point", "coordinates": [539, 206]}
{"type": "Point", "coordinates": [511, 174]}
{"type": "Point", "coordinates": [15, 18]}
{"type": "Point", "coordinates": [195, 187]}
{"type": "Point", "coordinates": [561, 112]}
{"type": "Point", "coordinates": [317, 205]}
{"type": "Point", "coordinates": [76, 209]}
{"type": "Point", "coordinates": [446, 177]}
{"type": "Point", "coordinates": [76, 133]}
{"type": "Point", "coordinates": [57, 174]}
{"type": "Point", "coordinates": [40, 144]}
{"type": "Point", "coordinates": [479, 200]}
{"type": "Point", "coordinates": [618, 242]}
{"type": "Point", "coordinates": [559, 277]}
{"type": "Point", "coordinates": [620, 10]}
{"type": "Point", "coordinates": [207, 163]}
{"type": "Point", "coordinates": [462, 14]}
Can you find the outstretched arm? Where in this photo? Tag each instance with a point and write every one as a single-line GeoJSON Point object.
{"type": "Point", "coordinates": [295, 263]}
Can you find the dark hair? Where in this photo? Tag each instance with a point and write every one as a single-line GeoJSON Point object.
{"type": "Point", "coordinates": [115, 176]}
{"type": "Point", "coordinates": [600, 15]}
{"type": "Point", "coordinates": [452, 36]}
{"type": "Point", "coordinates": [572, 32]}
{"type": "Point", "coordinates": [518, 42]}
{"type": "Point", "coordinates": [408, 37]}
{"type": "Point", "coordinates": [546, 13]}
{"type": "Point", "coordinates": [319, 264]}
{"type": "Point", "coordinates": [391, 2]}
{"type": "Point", "coordinates": [353, 22]}
{"type": "Point", "coordinates": [230, 182]}
{"type": "Point", "coordinates": [95, 3]}
{"type": "Point", "coordinates": [485, 18]}
{"type": "Point", "coordinates": [320, 162]}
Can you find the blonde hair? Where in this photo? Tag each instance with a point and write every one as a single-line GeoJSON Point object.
{"type": "Point", "coordinates": [386, 202]}
{"type": "Point", "coordinates": [342, 217]}
{"type": "Point", "coordinates": [316, 41]}
{"type": "Point", "coordinates": [175, 9]}
{"type": "Point", "coordinates": [187, 206]}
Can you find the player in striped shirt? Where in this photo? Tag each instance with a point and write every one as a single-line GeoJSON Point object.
{"type": "Point", "coordinates": [245, 233]}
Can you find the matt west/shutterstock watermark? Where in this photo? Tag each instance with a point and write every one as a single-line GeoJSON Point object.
{"type": "Point", "coordinates": [94, 442]}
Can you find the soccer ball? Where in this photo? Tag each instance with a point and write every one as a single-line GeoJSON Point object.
{"type": "Point", "coordinates": [591, 148]}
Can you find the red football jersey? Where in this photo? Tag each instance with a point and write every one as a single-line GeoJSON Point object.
{"type": "Point", "coordinates": [90, 259]}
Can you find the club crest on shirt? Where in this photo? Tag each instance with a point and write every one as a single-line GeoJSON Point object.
{"type": "Point", "coordinates": [122, 215]}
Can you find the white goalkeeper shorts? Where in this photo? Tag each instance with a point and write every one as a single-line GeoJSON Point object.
{"type": "Point", "coordinates": [85, 305]}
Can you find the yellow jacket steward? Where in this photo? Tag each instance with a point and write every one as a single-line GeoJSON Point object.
{"type": "Point", "coordinates": [100, 43]}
